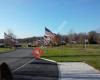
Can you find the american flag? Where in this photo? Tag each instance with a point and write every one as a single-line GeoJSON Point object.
{"type": "Point", "coordinates": [49, 33]}
{"type": "Point", "coordinates": [48, 36]}
{"type": "Point", "coordinates": [8, 37]}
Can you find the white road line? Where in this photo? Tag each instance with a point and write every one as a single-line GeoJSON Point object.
{"type": "Point", "coordinates": [30, 61]}
{"type": "Point", "coordinates": [49, 60]}
{"type": "Point", "coordinates": [23, 65]}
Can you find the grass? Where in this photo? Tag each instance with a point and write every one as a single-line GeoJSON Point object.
{"type": "Point", "coordinates": [5, 50]}
{"type": "Point", "coordinates": [90, 55]}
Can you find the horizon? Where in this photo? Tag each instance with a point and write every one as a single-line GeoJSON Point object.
{"type": "Point", "coordinates": [28, 18]}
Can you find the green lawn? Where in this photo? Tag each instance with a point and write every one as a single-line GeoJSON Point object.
{"type": "Point", "coordinates": [5, 50]}
{"type": "Point", "coordinates": [90, 55]}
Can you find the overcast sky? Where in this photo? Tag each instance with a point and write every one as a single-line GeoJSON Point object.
{"type": "Point", "coordinates": [28, 18]}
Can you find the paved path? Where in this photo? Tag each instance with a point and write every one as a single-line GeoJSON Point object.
{"type": "Point", "coordinates": [77, 71]}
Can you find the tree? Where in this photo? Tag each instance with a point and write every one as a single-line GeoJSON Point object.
{"type": "Point", "coordinates": [98, 39]}
{"type": "Point", "coordinates": [93, 36]}
{"type": "Point", "coordinates": [56, 40]}
{"type": "Point", "coordinates": [81, 38]}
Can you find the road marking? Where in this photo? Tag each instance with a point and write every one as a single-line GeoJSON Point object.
{"type": "Point", "coordinates": [23, 65]}
{"type": "Point", "coordinates": [31, 61]}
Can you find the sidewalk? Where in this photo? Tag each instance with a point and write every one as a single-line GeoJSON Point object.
{"type": "Point", "coordinates": [77, 71]}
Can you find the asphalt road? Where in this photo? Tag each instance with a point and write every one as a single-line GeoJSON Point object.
{"type": "Point", "coordinates": [16, 58]}
{"type": "Point", "coordinates": [25, 67]}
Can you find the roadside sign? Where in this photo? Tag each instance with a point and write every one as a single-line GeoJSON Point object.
{"type": "Point", "coordinates": [37, 52]}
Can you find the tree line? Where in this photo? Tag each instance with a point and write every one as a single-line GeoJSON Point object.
{"type": "Point", "coordinates": [92, 37]}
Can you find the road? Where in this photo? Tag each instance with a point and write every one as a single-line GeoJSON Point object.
{"type": "Point", "coordinates": [16, 58]}
{"type": "Point", "coordinates": [25, 67]}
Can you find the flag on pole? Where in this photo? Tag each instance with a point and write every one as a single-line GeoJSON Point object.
{"type": "Point", "coordinates": [9, 40]}
{"type": "Point", "coordinates": [6, 36]}
{"type": "Point", "coordinates": [49, 33]}
{"type": "Point", "coordinates": [48, 36]}
{"type": "Point", "coordinates": [37, 52]}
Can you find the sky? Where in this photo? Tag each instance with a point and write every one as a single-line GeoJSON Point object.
{"type": "Point", "coordinates": [28, 18]}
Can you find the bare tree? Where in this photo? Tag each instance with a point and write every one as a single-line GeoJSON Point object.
{"type": "Point", "coordinates": [71, 37]}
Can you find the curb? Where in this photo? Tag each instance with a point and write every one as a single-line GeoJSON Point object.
{"type": "Point", "coordinates": [49, 60]}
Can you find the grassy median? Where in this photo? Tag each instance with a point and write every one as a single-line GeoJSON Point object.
{"type": "Point", "coordinates": [2, 50]}
{"type": "Point", "coordinates": [90, 55]}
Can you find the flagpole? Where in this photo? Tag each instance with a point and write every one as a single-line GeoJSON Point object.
{"type": "Point", "coordinates": [4, 39]}
{"type": "Point", "coordinates": [43, 41]}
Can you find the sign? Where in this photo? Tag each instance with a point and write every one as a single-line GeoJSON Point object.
{"type": "Point", "coordinates": [37, 52]}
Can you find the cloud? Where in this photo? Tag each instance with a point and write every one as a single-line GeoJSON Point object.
{"type": "Point", "coordinates": [62, 26]}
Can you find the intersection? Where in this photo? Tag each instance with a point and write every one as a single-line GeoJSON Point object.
{"type": "Point", "coordinates": [25, 67]}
